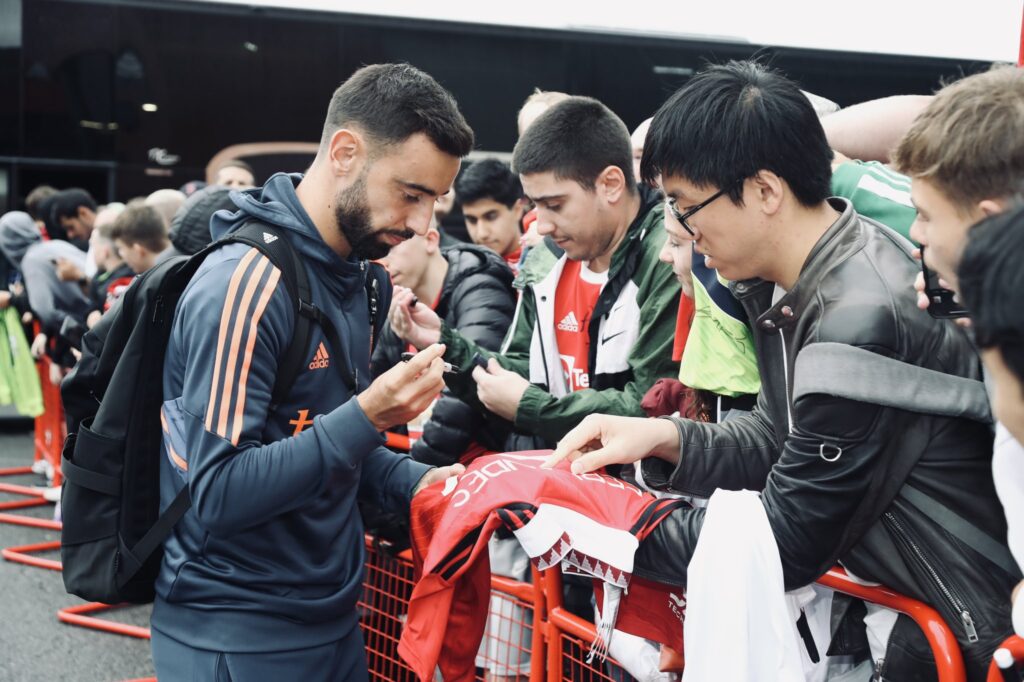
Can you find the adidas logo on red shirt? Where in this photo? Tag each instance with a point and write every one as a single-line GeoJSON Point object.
{"type": "Point", "coordinates": [322, 359]}
{"type": "Point", "coordinates": [569, 323]}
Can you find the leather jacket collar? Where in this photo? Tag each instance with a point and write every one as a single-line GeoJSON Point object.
{"type": "Point", "coordinates": [841, 240]}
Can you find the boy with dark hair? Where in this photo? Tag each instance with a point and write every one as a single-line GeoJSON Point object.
{"type": "Point", "coordinates": [261, 576]}
{"type": "Point", "coordinates": [493, 205]}
{"type": "Point", "coordinates": [140, 235]}
{"type": "Point", "coordinates": [595, 320]}
{"type": "Point", "coordinates": [848, 472]}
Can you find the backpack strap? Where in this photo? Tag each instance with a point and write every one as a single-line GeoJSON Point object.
{"type": "Point", "coordinates": [276, 246]}
{"type": "Point", "coordinates": [962, 529]}
{"type": "Point", "coordinates": [857, 374]}
{"type": "Point", "coordinates": [845, 371]}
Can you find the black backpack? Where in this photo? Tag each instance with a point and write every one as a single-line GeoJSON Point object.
{"type": "Point", "coordinates": [113, 531]}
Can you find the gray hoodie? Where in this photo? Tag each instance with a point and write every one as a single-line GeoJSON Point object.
{"type": "Point", "coordinates": [50, 299]}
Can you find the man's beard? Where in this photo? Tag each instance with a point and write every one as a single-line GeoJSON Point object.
{"type": "Point", "coordinates": [352, 211]}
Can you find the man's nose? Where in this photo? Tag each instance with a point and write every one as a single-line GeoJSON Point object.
{"type": "Point", "coordinates": [917, 233]}
{"type": "Point", "coordinates": [419, 218]}
{"type": "Point", "coordinates": [545, 226]}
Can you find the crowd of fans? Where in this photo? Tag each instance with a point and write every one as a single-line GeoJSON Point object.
{"type": "Point", "coordinates": [683, 272]}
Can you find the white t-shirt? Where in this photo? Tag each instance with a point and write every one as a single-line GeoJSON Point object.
{"type": "Point", "coordinates": [1008, 474]}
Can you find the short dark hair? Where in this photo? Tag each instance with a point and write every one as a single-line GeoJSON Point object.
{"type": "Point", "coordinates": [141, 224]}
{"type": "Point", "coordinates": [733, 120]}
{"type": "Point", "coordinates": [992, 285]}
{"type": "Point", "coordinates": [576, 139]}
{"type": "Point", "coordinates": [238, 163]}
{"type": "Point", "coordinates": [392, 102]}
{"type": "Point", "coordinates": [34, 201]}
{"type": "Point", "coordinates": [65, 203]}
{"type": "Point", "coordinates": [488, 179]}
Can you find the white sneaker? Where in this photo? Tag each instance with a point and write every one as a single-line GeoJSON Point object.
{"type": "Point", "coordinates": [52, 494]}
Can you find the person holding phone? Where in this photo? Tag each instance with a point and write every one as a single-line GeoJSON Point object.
{"type": "Point", "coordinates": [965, 156]}
{"type": "Point", "coordinates": [851, 462]}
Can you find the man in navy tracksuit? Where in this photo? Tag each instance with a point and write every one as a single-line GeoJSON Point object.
{"type": "Point", "coordinates": [260, 578]}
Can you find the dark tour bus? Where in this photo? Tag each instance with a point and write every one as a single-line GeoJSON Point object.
{"type": "Point", "coordinates": [123, 97]}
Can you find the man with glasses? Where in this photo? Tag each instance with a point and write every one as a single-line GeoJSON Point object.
{"type": "Point", "coordinates": [871, 439]}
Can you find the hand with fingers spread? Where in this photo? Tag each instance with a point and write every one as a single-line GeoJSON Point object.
{"type": "Point", "coordinates": [412, 321]}
{"type": "Point", "coordinates": [405, 390]}
{"type": "Point", "coordinates": [602, 439]}
{"type": "Point", "coordinates": [499, 389]}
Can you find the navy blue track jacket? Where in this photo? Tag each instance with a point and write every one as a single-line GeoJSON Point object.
{"type": "Point", "coordinates": [270, 556]}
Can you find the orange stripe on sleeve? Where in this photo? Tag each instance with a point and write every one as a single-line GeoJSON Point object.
{"type": "Point", "coordinates": [250, 344]}
{"type": "Point", "coordinates": [225, 323]}
{"type": "Point", "coordinates": [176, 458]}
{"type": "Point", "coordinates": [236, 340]}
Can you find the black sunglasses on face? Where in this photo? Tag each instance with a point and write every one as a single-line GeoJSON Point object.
{"type": "Point", "coordinates": [683, 217]}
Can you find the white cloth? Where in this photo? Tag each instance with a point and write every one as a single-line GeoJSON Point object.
{"type": "Point", "coordinates": [1008, 474]}
{"type": "Point", "coordinates": [740, 624]}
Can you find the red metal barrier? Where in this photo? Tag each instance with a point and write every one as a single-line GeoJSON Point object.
{"type": "Point", "coordinates": [23, 555]}
{"type": "Point", "coordinates": [76, 615]}
{"type": "Point", "coordinates": [568, 638]}
{"type": "Point", "coordinates": [387, 588]}
{"type": "Point", "coordinates": [1013, 644]}
{"type": "Point", "coordinates": [948, 659]}
{"type": "Point", "coordinates": [50, 426]}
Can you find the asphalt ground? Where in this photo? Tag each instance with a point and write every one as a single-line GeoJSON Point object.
{"type": "Point", "coordinates": [34, 645]}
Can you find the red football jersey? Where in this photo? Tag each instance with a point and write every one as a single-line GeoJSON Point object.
{"type": "Point", "coordinates": [575, 298]}
{"type": "Point", "coordinates": [589, 524]}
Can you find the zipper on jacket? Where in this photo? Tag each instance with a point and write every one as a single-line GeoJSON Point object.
{"type": "Point", "coordinates": [958, 604]}
{"type": "Point", "coordinates": [785, 375]}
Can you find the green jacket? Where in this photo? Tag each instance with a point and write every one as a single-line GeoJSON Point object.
{"type": "Point", "coordinates": [631, 334]}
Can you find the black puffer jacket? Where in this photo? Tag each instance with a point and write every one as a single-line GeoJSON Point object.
{"type": "Point", "coordinates": [855, 290]}
{"type": "Point", "coordinates": [477, 299]}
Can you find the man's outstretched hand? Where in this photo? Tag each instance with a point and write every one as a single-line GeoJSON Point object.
{"type": "Point", "coordinates": [602, 439]}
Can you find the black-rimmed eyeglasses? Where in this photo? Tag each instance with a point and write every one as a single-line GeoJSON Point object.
{"type": "Point", "coordinates": [686, 215]}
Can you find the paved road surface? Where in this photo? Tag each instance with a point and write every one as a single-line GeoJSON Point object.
{"type": "Point", "coordinates": [33, 644]}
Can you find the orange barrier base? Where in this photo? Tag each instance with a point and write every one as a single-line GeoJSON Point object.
{"type": "Point", "coordinates": [36, 494]}
{"type": "Point", "coordinates": [75, 615]}
{"type": "Point", "coordinates": [16, 489]}
{"type": "Point", "coordinates": [21, 504]}
{"type": "Point", "coordinates": [31, 522]}
{"type": "Point", "coordinates": [23, 555]}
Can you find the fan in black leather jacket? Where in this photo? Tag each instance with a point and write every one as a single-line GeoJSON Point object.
{"type": "Point", "coordinates": [477, 299]}
{"type": "Point", "coordinates": [853, 290]}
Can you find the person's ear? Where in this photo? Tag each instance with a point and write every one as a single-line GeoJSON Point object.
{"type": "Point", "coordinates": [345, 151]}
{"type": "Point", "coordinates": [611, 184]}
{"type": "Point", "coordinates": [520, 208]}
{"type": "Point", "coordinates": [433, 241]}
{"type": "Point", "coordinates": [990, 207]}
{"type": "Point", "coordinates": [769, 191]}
